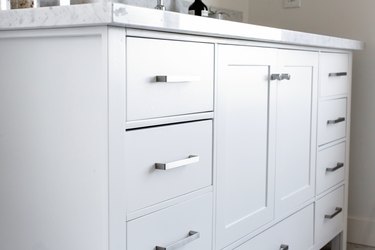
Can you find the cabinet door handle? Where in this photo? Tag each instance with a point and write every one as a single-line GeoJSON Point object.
{"type": "Point", "coordinates": [331, 216]}
{"type": "Point", "coordinates": [284, 247]}
{"type": "Point", "coordinates": [176, 164]}
{"type": "Point", "coordinates": [285, 77]}
{"type": "Point", "coordinates": [275, 77]}
{"type": "Point", "coordinates": [280, 77]}
{"type": "Point", "coordinates": [338, 166]}
{"type": "Point", "coordinates": [338, 120]}
{"type": "Point", "coordinates": [337, 74]}
{"type": "Point", "coordinates": [176, 79]}
{"type": "Point", "coordinates": [191, 237]}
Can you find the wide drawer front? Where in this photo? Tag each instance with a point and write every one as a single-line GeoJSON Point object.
{"type": "Point", "coordinates": [168, 78]}
{"type": "Point", "coordinates": [334, 74]}
{"type": "Point", "coordinates": [186, 226]}
{"type": "Point", "coordinates": [295, 232]}
{"type": "Point", "coordinates": [166, 162]}
{"type": "Point", "coordinates": [329, 216]}
{"type": "Point", "coordinates": [332, 120]}
{"type": "Point", "coordinates": [330, 167]}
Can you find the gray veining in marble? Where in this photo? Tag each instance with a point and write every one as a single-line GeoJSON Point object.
{"type": "Point", "coordinates": [119, 14]}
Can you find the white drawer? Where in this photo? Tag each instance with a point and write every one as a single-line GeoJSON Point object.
{"type": "Point", "coordinates": [188, 68]}
{"type": "Point", "coordinates": [332, 120]}
{"type": "Point", "coordinates": [173, 144]}
{"type": "Point", "coordinates": [329, 217]}
{"type": "Point", "coordinates": [188, 223]}
{"type": "Point", "coordinates": [333, 74]}
{"type": "Point", "coordinates": [295, 232]}
{"type": "Point", "coordinates": [330, 167]}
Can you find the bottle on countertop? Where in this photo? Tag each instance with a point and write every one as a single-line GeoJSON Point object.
{"type": "Point", "coordinates": [198, 8]}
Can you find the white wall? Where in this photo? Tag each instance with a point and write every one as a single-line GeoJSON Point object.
{"type": "Point", "coordinates": [351, 19]}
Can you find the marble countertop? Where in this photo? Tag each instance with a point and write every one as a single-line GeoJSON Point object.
{"type": "Point", "coordinates": [118, 14]}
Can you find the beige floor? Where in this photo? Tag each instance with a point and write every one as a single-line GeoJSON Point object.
{"type": "Point", "coordinates": [358, 247]}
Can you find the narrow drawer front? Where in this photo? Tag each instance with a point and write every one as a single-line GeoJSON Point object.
{"type": "Point", "coordinates": [330, 167]}
{"type": "Point", "coordinates": [334, 74]}
{"type": "Point", "coordinates": [329, 216]}
{"type": "Point", "coordinates": [186, 226]}
{"type": "Point", "coordinates": [166, 162]}
{"type": "Point", "coordinates": [168, 78]}
{"type": "Point", "coordinates": [295, 232]}
{"type": "Point", "coordinates": [332, 120]}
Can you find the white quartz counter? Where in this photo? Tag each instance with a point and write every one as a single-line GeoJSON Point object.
{"type": "Point", "coordinates": [136, 17]}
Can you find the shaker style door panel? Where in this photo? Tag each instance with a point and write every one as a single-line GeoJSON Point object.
{"type": "Point", "coordinates": [245, 189]}
{"type": "Point", "coordinates": [295, 129]}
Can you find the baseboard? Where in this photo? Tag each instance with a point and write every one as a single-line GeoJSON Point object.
{"type": "Point", "coordinates": [361, 231]}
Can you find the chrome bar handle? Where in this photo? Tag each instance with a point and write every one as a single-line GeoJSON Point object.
{"type": "Point", "coordinates": [176, 164]}
{"type": "Point", "coordinates": [176, 79]}
{"type": "Point", "coordinates": [331, 216]}
{"type": "Point", "coordinates": [191, 237]}
{"type": "Point", "coordinates": [285, 77]}
{"type": "Point", "coordinates": [284, 247]}
{"type": "Point", "coordinates": [274, 77]}
{"type": "Point", "coordinates": [337, 74]}
{"type": "Point", "coordinates": [338, 120]}
{"type": "Point", "coordinates": [338, 166]}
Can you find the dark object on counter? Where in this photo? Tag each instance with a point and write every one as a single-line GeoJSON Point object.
{"type": "Point", "coordinates": [198, 8]}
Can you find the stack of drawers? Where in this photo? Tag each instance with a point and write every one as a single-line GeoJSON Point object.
{"type": "Point", "coordinates": [169, 164]}
{"type": "Point", "coordinates": [332, 146]}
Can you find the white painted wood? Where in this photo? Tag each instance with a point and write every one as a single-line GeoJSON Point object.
{"type": "Point", "coordinates": [329, 158]}
{"type": "Point", "coordinates": [173, 224]}
{"type": "Point", "coordinates": [169, 120]}
{"type": "Point", "coordinates": [327, 229]}
{"type": "Point", "coordinates": [296, 130]}
{"type": "Point", "coordinates": [146, 185]}
{"type": "Point", "coordinates": [116, 121]}
{"type": "Point", "coordinates": [296, 231]}
{"type": "Point", "coordinates": [148, 58]}
{"type": "Point", "coordinates": [245, 182]}
{"type": "Point", "coordinates": [331, 110]}
{"type": "Point", "coordinates": [333, 63]}
{"type": "Point", "coordinates": [54, 141]}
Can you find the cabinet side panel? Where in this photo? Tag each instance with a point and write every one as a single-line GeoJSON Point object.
{"type": "Point", "coordinates": [53, 142]}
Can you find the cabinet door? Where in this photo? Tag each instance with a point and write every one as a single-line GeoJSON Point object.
{"type": "Point", "coordinates": [295, 129]}
{"type": "Point", "coordinates": [245, 170]}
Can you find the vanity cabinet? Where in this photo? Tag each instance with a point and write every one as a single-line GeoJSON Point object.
{"type": "Point", "coordinates": [137, 138]}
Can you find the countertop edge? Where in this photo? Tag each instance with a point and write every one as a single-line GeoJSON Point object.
{"type": "Point", "coordinates": [118, 14]}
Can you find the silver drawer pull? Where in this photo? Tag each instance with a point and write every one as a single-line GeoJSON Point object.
{"type": "Point", "coordinates": [331, 216]}
{"type": "Point", "coordinates": [192, 237]}
{"type": "Point", "coordinates": [176, 79]}
{"type": "Point", "coordinates": [337, 74]}
{"type": "Point", "coordinates": [274, 77]}
{"type": "Point", "coordinates": [284, 247]}
{"type": "Point", "coordinates": [176, 164]}
{"type": "Point", "coordinates": [285, 77]}
{"type": "Point", "coordinates": [338, 120]}
{"type": "Point", "coordinates": [280, 77]}
{"type": "Point", "coordinates": [338, 166]}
